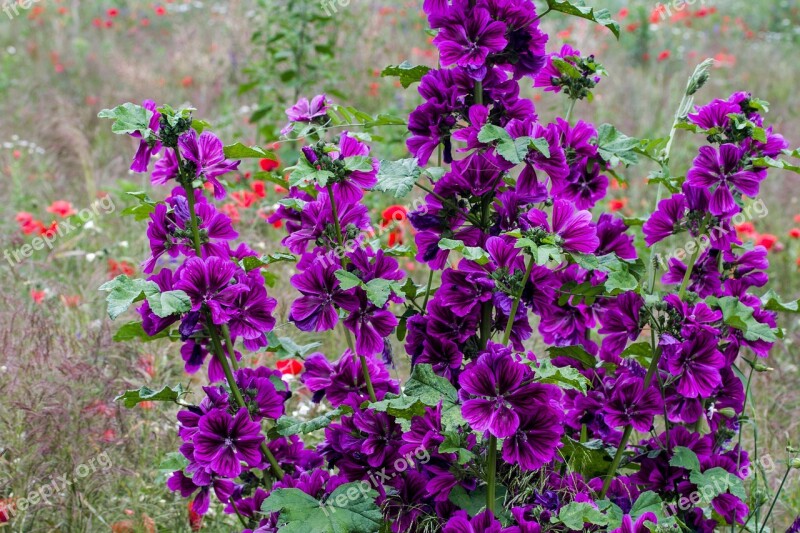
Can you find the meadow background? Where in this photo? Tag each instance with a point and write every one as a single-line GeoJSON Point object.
{"type": "Point", "coordinates": [240, 63]}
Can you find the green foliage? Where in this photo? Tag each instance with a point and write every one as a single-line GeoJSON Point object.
{"type": "Point", "coordinates": [579, 8]}
{"type": "Point", "coordinates": [349, 509]}
{"type": "Point", "coordinates": [406, 72]}
{"type": "Point", "coordinates": [124, 291]}
{"type": "Point", "coordinates": [241, 151]}
{"type": "Point", "coordinates": [398, 177]}
{"type": "Point", "coordinates": [287, 426]}
{"type": "Point", "coordinates": [132, 398]}
{"type": "Point", "coordinates": [129, 118]}
{"type": "Point", "coordinates": [740, 316]}
{"type": "Point", "coordinates": [285, 347]}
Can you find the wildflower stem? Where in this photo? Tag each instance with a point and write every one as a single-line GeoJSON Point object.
{"type": "Point", "coordinates": [427, 292]}
{"type": "Point", "coordinates": [775, 500]}
{"type": "Point", "coordinates": [226, 334]}
{"type": "Point", "coordinates": [491, 461]}
{"type": "Point", "coordinates": [617, 458]}
{"type": "Point", "coordinates": [515, 304]}
{"type": "Point", "coordinates": [570, 108]}
{"type": "Point", "coordinates": [688, 275]}
{"type": "Point", "coordinates": [277, 471]}
{"type": "Point", "coordinates": [361, 358]}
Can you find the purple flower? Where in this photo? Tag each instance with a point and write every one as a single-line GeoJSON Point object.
{"type": "Point", "coordinates": [223, 489]}
{"type": "Point", "coordinates": [147, 149]}
{"type": "Point", "coordinates": [208, 281]}
{"type": "Point", "coordinates": [494, 392]}
{"type": "Point", "coordinates": [631, 404]}
{"type": "Point", "coordinates": [260, 393]}
{"type": "Point", "coordinates": [722, 171]}
{"type": "Point", "coordinates": [714, 115]}
{"type": "Point", "coordinates": [370, 324]}
{"type": "Point", "coordinates": [484, 522]}
{"type": "Point", "coordinates": [695, 362]}
{"type": "Point", "coordinates": [351, 189]}
{"type": "Point", "coordinates": [641, 525]}
{"type": "Point", "coordinates": [538, 437]}
{"type": "Point", "coordinates": [343, 382]}
{"type": "Point", "coordinates": [575, 228]}
{"type": "Point", "coordinates": [207, 155]}
{"type": "Point", "coordinates": [468, 41]}
{"type": "Point", "coordinates": [620, 324]}
{"type": "Point", "coordinates": [305, 111]}
{"type": "Point", "coordinates": [315, 310]}
{"type": "Point", "coordinates": [613, 239]}
{"type": "Point", "coordinates": [252, 313]}
{"type": "Point", "coordinates": [152, 323]}
{"type": "Point", "coordinates": [223, 441]}
{"type": "Point", "coordinates": [664, 221]}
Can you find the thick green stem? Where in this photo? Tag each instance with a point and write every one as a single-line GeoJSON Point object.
{"type": "Point", "coordinates": [491, 463]}
{"type": "Point", "coordinates": [617, 458]}
{"type": "Point", "coordinates": [226, 334]}
{"type": "Point", "coordinates": [362, 359]}
{"type": "Point", "coordinates": [570, 109]}
{"type": "Point", "coordinates": [277, 471]}
{"type": "Point", "coordinates": [515, 304]}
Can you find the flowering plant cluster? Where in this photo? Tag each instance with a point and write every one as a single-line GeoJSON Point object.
{"type": "Point", "coordinates": [634, 409]}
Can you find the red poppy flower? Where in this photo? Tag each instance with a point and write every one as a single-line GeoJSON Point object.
{"type": "Point", "coordinates": [617, 205]}
{"type": "Point", "coordinates": [794, 233]}
{"type": "Point", "coordinates": [767, 240]}
{"type": "Point", "coordinates": [289, 366]}
{"type": "Point", "coordinates": [797, 218]}
{"type": "Point", "coordinates": [664, 55]}
{"type": "Point", "coordinates": [112, 12]}
{"type": "Point", "coordinates": [745, 229]}
{"type": "Point", "coordinates": [394, 213]}
{"type": "Point", "coordinates": [231, 212]}
{"type": "Point", "coordinates": [268, 165]}
{"type": "Point", "coordinates": [195, 518]}
{"type": "Point", "coordinates": [37, 296]}
{"type": "Point", "coordinates": [258, 189]}
{"type": "Point", "coordinates": [147, 405]}
{"type": "Point", "coordinates": [71, 301]}
{"type": "Point", "coordinates": [187, 81]}
{"type": "Point", "coordinates": [49, 232]}
{"type": "Point", "coordinates": [61, 208]}
{"type": "Point", "coordinates": [115, 268]}
{"type": "Point", "coordinates": [244, 199]}
{"type": "Point", "coordinates": [109, 435]}
{"type": "Point", "coordinates": [160, 11]}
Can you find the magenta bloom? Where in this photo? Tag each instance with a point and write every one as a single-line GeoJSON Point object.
{"type": "Point", "coordinates": [538, 437]}
{"type": "Point", "coordinates": [306, 111]}
{"type": "Point", "coordinates": [468, 41]}
{"type": "Point", "coordinates": [575, 228]}
{"type": "Point", "coordinates": [343, 382]}
{"type": "Point", "coordinates": [351, 189]}
{"type": "Point", "coordinates": [722, 171]}
{"type": "Point", "coordinates": [208, 156]}
{"type": "Point", "coordinates": [223, 441]}
{"type": "Point", "coordinates": [640, 526]}
{"type": "Point", "coordinates": [252, 314]}
{"type": "Point", "coordinates": [147, 150]}
{"type": "Point", "coordinates": [631, 404]}
{"type": "Point", "coordinates": [370, 324]}
{"type": "Point", "coordinates": [315, 310]}
{"type": "Point", "coordinates": [208, 281]}
{"type": "Point", "coordinates": [495, 393]}
{"type": "Point", "coordinates": [696, 362]}
{"type": "Point", "coordinates": [484, 522]}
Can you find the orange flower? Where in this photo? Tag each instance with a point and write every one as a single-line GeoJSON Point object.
{"type": "Point", "coordinates": [244, 199]}
{"type": "Point", "coordinates": [122, 267]}
{"type": "Point", "coordinates": [231, 212]}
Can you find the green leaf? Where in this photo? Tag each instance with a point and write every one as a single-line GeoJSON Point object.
{"type": "Point", "coordinates": [251, 263]}
{"type": "Point", "coordinates": [576, 352]}
{"type": "Point", "coordinates": [772, 302]}
{"type": "Point", "coordinates": [473, 253]}
{"type": "Point", "coordinates": [474, 501]}
{"type": "Point", "coordinates": [431, 389]}
{"type": "Point", "coordinates": [347, 280]}
{"type": "Point", "coordinates": [716, 481]}
{"type": "Point", "coordinates": [565, 67]}
{"type": "Point", "coordinates": [641, 351]}
{"type": "Point", "coordinates": [616, 147]}
{"type": "Point", "coordinates": [124, 291]}
{"type": "Point", "coordinates": [173, 461]}
{"type": "Point", "coordinates": [579, 9]}
{"type": "Point", "coordinates": [135, 331]}
{"type": "Point", "coordinates": [621, 281]}
{"type": "Point", "coordinates": [565, 377]}
{"type": "Point", "coordinates": [514, 150]}
{"type": "Point", "coordinates": [358, 163]}
{"type": "Point", "coordinates": [129, 118]}
{"type": "Point", "coordinates": [142, 210]}
{"type": "Point", "coordinates": [490, 133]}
{"type": "Point", "coordinates": [285, 347]}
{"type": "Point", "coordinates": [398, 177]}
{"type": "Point", "coordinates": [683, 457]}
{"type": "Point", "coordinates": [287, 426]}
{"type": "Point", "coordinates": [405, 407]}
{"type": "Point", "coordinates": [240, 151]}
{"type": "Point", "coordinates": [379, 290]}
{"type": "Point", "coordinates": [768, 162]}
{"type": "Point", "coordinates": [648, 502]}
{"type": "Point", "coordinates": [407, 73]}
{"type": "Point", "coordinates": [349, 509]}
{"type": "Point", "coordinates": [574, 515]}
{"type": "Point", "coordinates": [167, 303]}
{"type": "Point", "coordinates": [740, 316]}
{"type": "Point", "coordinates": [590, 459]}
{"type": "Point", "coordinates": [132, 398]}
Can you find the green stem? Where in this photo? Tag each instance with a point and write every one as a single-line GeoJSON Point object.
{"type": "Point", "coordinates": [277, 471]}
{"type": "Point", "coordinates": [226, 334]}
{"type": "Point", "coordinates": [491, 481]}
{"type": "Point", "coordinates": [361, 358]}
{"type": "Point", "coordinates": [427, 292]}
{"type": "Point", "coordinates": [570, 108]}
{"type": "Point", "coordinates": [617, 458]}
{"type": "Point", "coordinates": [688, 275]}
{"type": "Point", "coordinates": [775, 500]}
{"type": "Point", "coordinates": [515, 304]}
